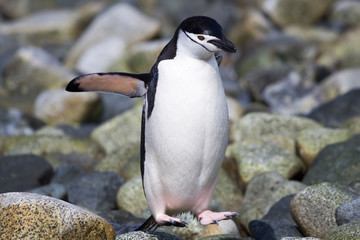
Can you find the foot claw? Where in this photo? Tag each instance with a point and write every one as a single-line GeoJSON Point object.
{"type": "Point", "coordinates": [228, 216]}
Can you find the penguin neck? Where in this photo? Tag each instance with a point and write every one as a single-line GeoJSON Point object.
{"type": "Point", "coordinates": [187, 48]}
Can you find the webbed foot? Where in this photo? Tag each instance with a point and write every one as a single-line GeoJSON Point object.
{"type": "Point", "coordinates": [209, 217]}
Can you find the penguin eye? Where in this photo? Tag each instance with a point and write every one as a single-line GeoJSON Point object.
{"type": "Point", "coordinates": [201, 38]}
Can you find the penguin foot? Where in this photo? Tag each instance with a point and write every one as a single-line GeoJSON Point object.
{"type": "Point", "coordinates": [209, 217]}
{"type": "Point", "coordinates": [166, 220]}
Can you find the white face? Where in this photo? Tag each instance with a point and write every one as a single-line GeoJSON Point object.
{"type": "Point", "coordinates": [196, 45]}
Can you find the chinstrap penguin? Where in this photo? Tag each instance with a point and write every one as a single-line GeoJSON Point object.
{"type": "Point", "coordinates": [185, 122]}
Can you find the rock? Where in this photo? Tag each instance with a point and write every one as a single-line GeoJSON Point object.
{"type": "Point", "coordinates": [193, 231]}
{"type": "Point", "coordinates": [82, 160]}
{"type": "Point", "coordinates": [257, 125]}
{"type": "Point", "coordinates": [61, 107]}
{"type": "Point", "coordinates": [111, 133]}
{"type": "Point", "coordinates": [122, 218]}
{"type": "Point", "coordinates": [111, 110]}
{"type": "Point", "coordinates": [254, 159]}
{"type": "Point", "coordinates": [299, 238]}
{"type": "Point", "coordinates": [262, 192]}
{"type": "Point", "coordinates": [315, 36]}
{"type": "Point", "coordinates": [140, 57]}
{"type": "Point", "coordinates": [100, 56]}
{"type": "Point", "coordinates": [8, 47]}
{"type": "Point", "coordinates": [348, 212]}
{"type": "Point", "coordinates": [287, 12]}
{"type": "Point", "coordinates": [341, 54]}
{"type": "Point", "coordinates": [284, 142]}
{"type": "Point", "coordinates": [43, 145]}
{"type": "Point", "coordinates": [83, 131]}
{"type": "Point", "coordinates": [346, 13]}
{"type": "Point", "coordinates": [34, 216]}
{"type": "Point", "coordinates": [31, 71]}
{"type": "Point", "coordinates": [236, 110]}
{"type": "Point", "coordinates": [116, 21]}
{"type": "Point", "coordinates": [54, 190]}
{"type": "Point", "coordinates": [139, 235]}
{"type": "Point", "coordinates": [312, 141]}
{"type": "Point", "coordinates": [346, 231]}
{"type": "Point", "coordinates": [50, 26]}
{"type": "Point", "coordinates": [95, 191]}
{"type": "Point", "coordinates": [66, 174]}
{"type": "Point", "coordinates": [352, 125]}
{"type": "Point", "coordinates": [313, 208]}
{"type": "Point", "coordinates": [336, 163]}
{"type": "Point", "coordinates": [277, 223]}
{"type": "Point", "coordinates": [130, 197]}
{"type": "Point", "coordinates": [125, 162]}
{"type": "Point", "coordinates": [222, 237]}
{"type": "Point", "coordinates": [227, 227]}
{"type": "Point", "coordinates": [227, 192]}
{"type": "Point", "coordinates": [336, 112]}
{"type": "Point", "coordinates": [23, 172]}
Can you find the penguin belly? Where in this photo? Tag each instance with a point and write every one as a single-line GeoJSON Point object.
{"type": "Point", "coordinates": [185, 136]}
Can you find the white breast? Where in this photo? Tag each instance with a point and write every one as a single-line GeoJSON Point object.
{"type": "Point", "coordinates": [187, 133]}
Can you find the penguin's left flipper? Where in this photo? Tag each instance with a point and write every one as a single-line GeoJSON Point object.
{"type": "Point", "coordinates": [128, 84]}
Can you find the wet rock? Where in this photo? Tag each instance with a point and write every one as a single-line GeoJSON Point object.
{"type": "Point", "coordinates": [60, 107]}
{"type": "Point", "coordinates": [34, 216]}
{"type": "Point", "coordinates": [116, 21]}
{"type": "Point", "coordinates": [125, 162]}
{"type": "Point", "coordinates": [43, 145]}
{"type": "Point", "coordinates": [336, 163]}
{"type": "Point", "coordinates": [23, 172]}
{"type": "Point", "coordinates": [346, 13]}
{"type": "Point", "coordinates": [111, 134]}
{"type": "Point", "coordinates": [256, 125]}
{"type": "Point", "coordinates": [313, 208]}
{"type": "Point", "coordinates": [139, 235]}
{"type": "Point", "coordinates": [54, 190]}
{"type": "Point", "coordinates": [287, 12]}
{"type": "Point", "coordinates": [95, 191]}
{"type": "Point", "coordinates": [348, 212]}
{"type": "Point", "coordinates": [311, 142]}
{"type": "Point", "coordinates": [277, 223]}
{"type": "Point", "coordinates": [346, 231]}
{"type": "Point", "coordinates": [31, 71]}
{"type": "Point", "coordinates": [130, 197]}
{"type": "Point", "coordinates": [254, 159]}
{"type": "Point", "coordinates": [50, 26]}
{"type": "Point", "coordinates": [262, 192]}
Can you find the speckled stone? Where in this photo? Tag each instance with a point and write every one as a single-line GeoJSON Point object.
{"type": "Point", "coordinates": [33, 216]}
{"type": "Point", "coordinates": [313, 209]}
{"type": "Point", "coordinates": [300, 238]}
{"type": "Point", "coordinates": [312, 141]}
{"type": "Point", "coordinates": [221, 237]}
{"type": "Point", "coordinates": [254, 159]}
{"type": "Point", "coordinates": [346, 232]}
{"type": "Point", "coordinates": [256, 125]}
{"type": "Point", "coordinates": [149, 236]}
{"type": "Point", "coordinates": [120, 131]}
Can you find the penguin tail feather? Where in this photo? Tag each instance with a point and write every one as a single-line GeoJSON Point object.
{"type": "Point", "coordinates": [150, 225]}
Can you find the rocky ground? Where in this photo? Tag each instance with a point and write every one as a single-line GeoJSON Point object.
{"type": "Point", "coordinates": [69, 162]}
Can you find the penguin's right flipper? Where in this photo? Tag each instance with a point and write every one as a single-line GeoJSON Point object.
{"type": "Point", "coordinates": [128, 84]}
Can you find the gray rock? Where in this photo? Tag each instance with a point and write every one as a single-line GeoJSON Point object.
{"type": "Point", "coordinates": [33, 216]}
{"type": "Point", "coordinates": [346, 13]}
{"type": "Point", "coordinates": [289, 12]}
{"type": "Point", "coordinates": [254, 159]}
{"type": "Point", "coordinates": [23, 172]}
{"type": "Point", "coordinates": [143, 235]}
{"type": "Point", "coordinates": [257, 125]}
{"type": "Point", "coordinates": [352, 125]}
{"type": "Point", "coordinates": [66, 174]}
{"type": "Point", "coordinates": [345, 232]}
{"type": "Point", "coordinates": [263, 192]}
{"type": "Point", "coordinates": [54, 190]}
{"type": "Point", "coordinates": [95, 191]}
{"type": "Point", "coordinates": [221, 237]}
{"type": "Point", "coordinates": [336, 112]}
{"type": "Point", "coordinates": [300, 238]}
{"type": "Point", "coordinates": [111, 134]}
{"type": "Point", "coordinates": [336, 163]}
{"type": "Point", "coordinates": [348, 212]}
{"type": "Point", "coordinates": [61, 107]}
{"type": "Point", "coordinates": [111, 110]}
{"type": "Point", "coordinates": [117, 21]}
{"type": "Point", "coordinates": [313, 208]}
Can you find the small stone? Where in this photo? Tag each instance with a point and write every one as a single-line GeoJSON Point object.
{"type": "Point", "coordinates": [60, 107]}
{"type": "Point", "coordinates": [348, 212]}
{"type": "Point", "coordinates": [95, 191]}
{"type": "Point", "coordinates": [23, 172]}
{"type": "Point", "coordinates": [130, 197]}
{"type": "Point", "coordinates": [347, 231]}
{"type": "Point", "coordinates": [33, 216]}
{"type": "Point", "coordinates": [313, 208]}
{"type": "Point", "coordinates": [312, 141]}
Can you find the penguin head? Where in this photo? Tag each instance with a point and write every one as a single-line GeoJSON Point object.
{"type": "Point", "coordinates": [202, 36]}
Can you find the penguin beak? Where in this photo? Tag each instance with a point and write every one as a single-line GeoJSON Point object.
{"type": "Point", "coordinates": [224, 44]}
